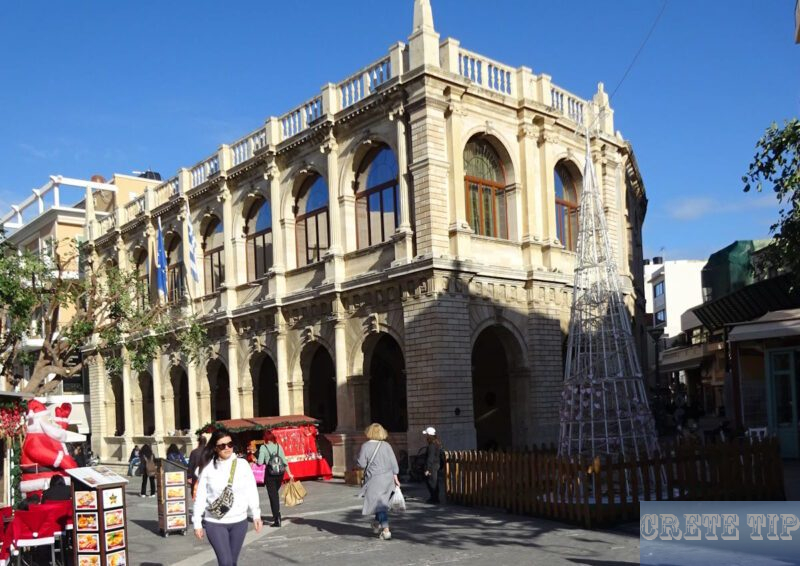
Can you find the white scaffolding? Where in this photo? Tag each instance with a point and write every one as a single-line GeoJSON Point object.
{"type": "Point", "coordinates": [604, 409]}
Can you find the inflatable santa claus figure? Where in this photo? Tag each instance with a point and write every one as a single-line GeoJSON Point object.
{"type": "Point", "coordinates": [44, 454]}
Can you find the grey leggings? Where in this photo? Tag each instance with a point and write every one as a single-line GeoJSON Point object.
{"type": "Point", "coordinates": [226, 539]}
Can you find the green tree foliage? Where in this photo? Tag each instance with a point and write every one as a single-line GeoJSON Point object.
{"type": "Point", "coordinates": [57, 314]}
{"type": "Point", "coordinates": [777, 165]}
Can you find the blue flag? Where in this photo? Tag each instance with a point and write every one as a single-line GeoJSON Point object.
{"type": "Point", "coordinates": [161, 265]}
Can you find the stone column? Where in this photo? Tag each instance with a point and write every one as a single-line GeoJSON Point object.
{"type": "Point", "coordinates": [403, 247]}
{"type": "Point", "coordinates": [158, 402]}
{"type": "Point", "coordinates": [191, 379]}
{"type": "Point", "coordinates": [460, 231]}
{"type": "Point", "coordinates": [229, 237]}
{"type": "Point", "coordinates": [533, 215]}
{"type": "Point", "coordinates": [334, 264]}
{"type": "Point", "coordinates": [344, 409]}
{"type": "Point", "coordinates": [279, 251]}
{"type": "Point", "coordinates": [429, 169]}
{"type": "Point", "coordinates": [281, 353]}
{"type": "Point", "coordinates": [127, 395]}
{"type": "Point", "coordinates": [98, 419]}
{"type": "Point", "coordinates": [331, 149]}
{"type": "Point", "coordinates": [233, 372]}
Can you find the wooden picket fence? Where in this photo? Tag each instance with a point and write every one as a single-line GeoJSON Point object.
{"type": "Point", "coordinates": [592, 494]}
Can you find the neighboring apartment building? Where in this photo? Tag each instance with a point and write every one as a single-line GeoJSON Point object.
{"type": "Point", "coordinates": [399, 248]}
{"type": "Point", "coordinates": [672, 287]}
{"type": "Point", "coordinates": [738, 286]}
{"type": "Point", "coordinates": [43, 224]}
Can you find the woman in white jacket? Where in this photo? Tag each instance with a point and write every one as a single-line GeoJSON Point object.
{"type": "Point", "coordinates": [226, 533]}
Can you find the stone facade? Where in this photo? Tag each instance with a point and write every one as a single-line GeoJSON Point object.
{"type": "Point", "coordinates": [431, 313]}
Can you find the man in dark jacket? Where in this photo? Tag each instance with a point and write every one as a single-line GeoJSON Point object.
{"type": "Point", "coordinates": [433, 463]}
{"type": "Point", "coordinates": [194, 461]}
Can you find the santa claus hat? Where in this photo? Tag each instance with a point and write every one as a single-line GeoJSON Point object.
{"type": "Point", "coordinates": [34, 407]}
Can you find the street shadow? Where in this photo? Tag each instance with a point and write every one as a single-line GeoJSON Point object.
{"type": "Point", "coordinates": [148, 524]}
{"type": "Point", "coordinates": [590, 562]}
{"type": "Point", "coordinates": [335, 527]}
{"type": "Point", "coordinates": [441, 527]}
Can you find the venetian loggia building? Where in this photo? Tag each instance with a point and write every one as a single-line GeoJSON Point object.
{"type": "Point", "coordinates": [398, 248]}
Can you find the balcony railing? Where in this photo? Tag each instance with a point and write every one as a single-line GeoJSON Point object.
{"type": "Point", "coordinates": [298, 119]}
{"type": "Point", "coordinates": [245, 148]}
{"type": "Point", "coordinates": [165, 191]}
{"type": "Point", "coordinates": [202, 171]}
{"type": "Point", "coordinates": [133, 209]}
{"type": "Point", "coordinates": [486, 72]}
{"type": "Point", "coordinates": [482, 71]}
{"type": "Point", "coordinates": [568, 104]}
{"type": "Point", "coordinates": [363, 83]}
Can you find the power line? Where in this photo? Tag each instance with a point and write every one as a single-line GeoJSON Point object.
{"type": "Point", "coordinates": [639, 52]}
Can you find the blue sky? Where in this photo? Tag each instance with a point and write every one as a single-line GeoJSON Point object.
{"type": "Point", "coordinates": [101, 87]}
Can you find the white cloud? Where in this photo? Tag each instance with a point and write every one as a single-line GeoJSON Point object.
{"type": "Point", "coordinates": [692, 208]}
{"type": "Point", "coordinates": [37, 152]}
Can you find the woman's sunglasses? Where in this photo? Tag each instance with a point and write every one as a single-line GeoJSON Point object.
{"type": "Point", "coordinates": [224, 445]}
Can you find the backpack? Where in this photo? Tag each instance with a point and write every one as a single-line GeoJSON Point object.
{"type": "Point", "coordinates": [275, 465]}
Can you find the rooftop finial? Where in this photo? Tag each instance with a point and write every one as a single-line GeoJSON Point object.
{"type": "Point", "coordinates": [423, 43]}
{"type": "Point", "coordinates": [423, 16]}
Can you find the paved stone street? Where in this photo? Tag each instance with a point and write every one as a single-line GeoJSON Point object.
{"type": "Point", "coordinates": [328, 529]}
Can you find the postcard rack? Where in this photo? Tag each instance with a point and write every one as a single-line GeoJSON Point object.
{"type": "Point", "coordinates": [172, 497]}
{"type": "Point", "coordinates": [100, 532]}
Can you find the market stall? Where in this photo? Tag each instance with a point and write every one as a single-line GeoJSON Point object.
{"type": "Point", "coordinates": [297, 434]}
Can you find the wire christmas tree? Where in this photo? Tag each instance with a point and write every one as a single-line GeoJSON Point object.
{"type": "Point", "coordinates": [604, 408]}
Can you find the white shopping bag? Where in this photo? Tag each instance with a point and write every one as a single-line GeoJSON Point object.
{"type": "Point", "coordinates": [397, 502]}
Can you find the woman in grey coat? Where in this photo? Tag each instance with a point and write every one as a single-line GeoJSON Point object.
{"type": "Point", "coordinates": [379, 463]}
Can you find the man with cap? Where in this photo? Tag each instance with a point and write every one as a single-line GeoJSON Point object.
{"type": "Point", "coordinates": [433, 463]}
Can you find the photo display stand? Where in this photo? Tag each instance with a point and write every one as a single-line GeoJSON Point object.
{"type": "Point", "coordinates": [172, 496]}
{"type": "Point", "coordinates": [100, 532]}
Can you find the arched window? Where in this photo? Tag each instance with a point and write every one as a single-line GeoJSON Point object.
{"type": "Point", "coordinates": [484, 180]}
{"type": "Point", "coordinates": [258, 230]}
{"type": "Point", "coordinates": [376, 199]}
{"type": "Point", "coordinates": [566, 208]}
{"type": "Point", "coordinates": [213, 255]}
{"type": "Point", "coordinates": [311, 208]}
{"type": "Point", "coordinates": [175, 281]}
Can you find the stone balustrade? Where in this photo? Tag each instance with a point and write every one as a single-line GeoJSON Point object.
{"type": "Point", "coordinates": [363, 83]}
{"type": "Point", "coordinates": [298, 119]}
{"type": "Point", "coordinates": [567, 104]}
{"type": "Point", "coordinates": [108, 223]}
{"type": "Point", "coordinates": [482, 71]}
{"type": "Point", "coordinates": [133, 209]}
{"type": "Point", "coordinates": [203, 170]}
{"type": "Point", "coordinates": [245, 148]}
{"type": "Point", "coordinates": [485, 72]}
{"type": "Point", "coordinates": [165, 191]}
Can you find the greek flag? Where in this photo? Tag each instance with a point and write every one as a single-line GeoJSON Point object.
{"type": "Point", "coordinates": [161, 265]}
{"type": "Point", "coordinates": [192, 246]}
